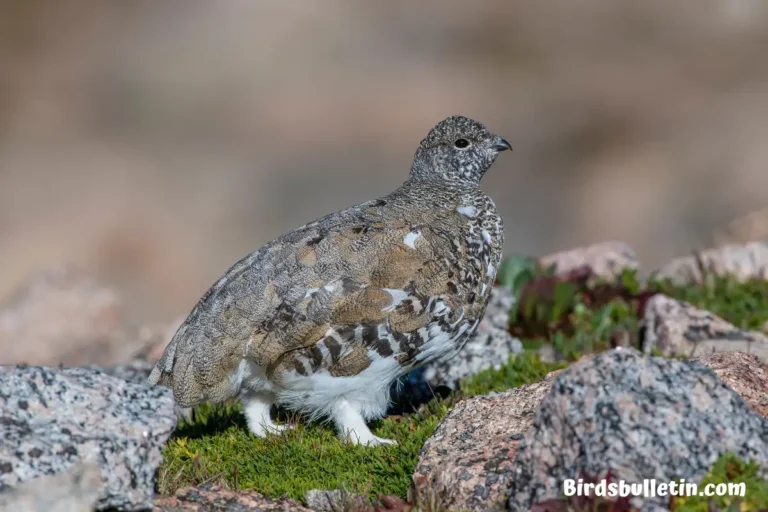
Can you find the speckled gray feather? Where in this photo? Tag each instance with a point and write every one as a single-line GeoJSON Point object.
{"type": "Point", "coordinates": [406, 276]}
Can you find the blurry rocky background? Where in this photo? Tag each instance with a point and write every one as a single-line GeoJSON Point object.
{"type": "Point", "coordinates": [155, 143]}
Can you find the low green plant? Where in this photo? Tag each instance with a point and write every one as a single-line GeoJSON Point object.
{"type": "Point", "coordinates": [218, 446]}
{"type": "Point", "coordinates": [523, 368]}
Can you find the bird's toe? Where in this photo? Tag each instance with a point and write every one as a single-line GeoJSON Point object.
{"type": "Point", "coordinates": [380, 441]}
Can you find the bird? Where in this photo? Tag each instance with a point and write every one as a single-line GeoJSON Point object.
{"type": "Point", "coordinates": [325, 318]}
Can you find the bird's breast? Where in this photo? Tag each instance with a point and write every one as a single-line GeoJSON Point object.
{"type": "Point", "coordinates": [480, 241]}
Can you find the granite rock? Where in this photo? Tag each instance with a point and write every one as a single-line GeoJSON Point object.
{"type": "Point", "coordinates": [212, 498]}
{"type": "Point", "coordinates": [741, 261]}
{"type": "Point", "coordinates": [67, 317]}
{"type": "Point", "coordinates": [678, 328]}
{"type": "Point", "coordinates": [748, 228]}
{"type": "Point", "coordinates": [52, 419]}
{"type": "Point", "coordinates": [475, 445]}
{"type": "Point", "coordinates": [745, 374]}
{"type": "Point", "coordinates": [74, 490]}
{"type": "Point", "coordinates": [639, 416]}
{"type": "Point", "coordinates": [466, 447]}
{"type": "Point", "coordinates": [607, 259]}
{"type": "Point", "coordinates": [337, 499]}
{"type": "Point", "coordinates": [64, 316]}
{"type": "Point", "coordinates": [135, 371]}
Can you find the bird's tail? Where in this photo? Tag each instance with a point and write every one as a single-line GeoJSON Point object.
{"type": "Point", "coordinates": [162, 373]}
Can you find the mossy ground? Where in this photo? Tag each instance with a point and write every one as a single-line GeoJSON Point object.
{"type": "Point", "coordinates": [217, 445]}
{"type": "Point", "coordinates": [307, 457]}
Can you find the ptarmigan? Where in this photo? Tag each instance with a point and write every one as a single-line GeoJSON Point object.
{"type": "Point", "coordinates": [322, 320]}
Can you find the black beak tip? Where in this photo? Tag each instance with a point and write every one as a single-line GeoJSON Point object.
{"type": "Point", "coordinates": [501, 144]}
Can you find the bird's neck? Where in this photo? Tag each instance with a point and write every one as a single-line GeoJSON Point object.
{"type": "Point", "coordinates": [431, 190]}
{"type": "Point", "coordinates": [445, 175]}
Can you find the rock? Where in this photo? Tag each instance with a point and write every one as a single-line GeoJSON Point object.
{"type": "Point", "coordinates": [678, 328]}
{"type": "Point", "coordinates": [748, 228]}
{"type": "Point", "coordinates": [332, 501]}
{"type": "Point", "coordinates": [211, 498]}
{"type": "Point", "coordinates": [466, 447]}
{"type": "Point", "coordinates": [548, 354]}
{"type": "Point", "coordinates": [136, 371]}
{"type": "Point", "coordinates": [61, 316]}
{"type": "Point", "coordinates": [639, 416]}
{"type": "Point", "coordinates": [475, 445]}
{"type": "Point", "coordinates": [66, 317]}
{"type": "Point", "coordinates": [74, 490]}
{"type": "Point", "coordinates": [745, 374]}
{"type": "Point", "coordinates": [154, 338]}
{"type": "Point", "coordinates": [742, 262]}
{"type": "Point", "coordinates": [606, 259]}
{"type": "Point", "coordinates": [490, 347]}
{"type": "Point", "coordinates": [51, 419]}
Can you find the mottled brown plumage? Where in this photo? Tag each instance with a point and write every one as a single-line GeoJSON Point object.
{"type": "Point", "coordinates": [324, 318]}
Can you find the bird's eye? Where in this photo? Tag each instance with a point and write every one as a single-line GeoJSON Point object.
{"type": "Point", "coordinates": [461, 143]}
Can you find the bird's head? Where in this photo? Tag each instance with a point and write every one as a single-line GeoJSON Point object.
{"type": "Point", "coordinates": [458, 150]}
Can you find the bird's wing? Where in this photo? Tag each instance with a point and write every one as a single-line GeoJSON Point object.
{"type": "Point", "coordinates": [399, 289]}
{"type": "Point", "coordinates": [320, 297]}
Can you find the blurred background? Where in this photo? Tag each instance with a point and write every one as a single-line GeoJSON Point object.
{"type": "Point", "coordinates": [155, 143]}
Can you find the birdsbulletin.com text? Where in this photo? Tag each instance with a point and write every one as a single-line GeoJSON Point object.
{"type": "Point", "coordinates": [651, 488]}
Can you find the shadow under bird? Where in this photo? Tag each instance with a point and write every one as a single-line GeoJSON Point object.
{"type": "Point", "coordinates": [323, 319]}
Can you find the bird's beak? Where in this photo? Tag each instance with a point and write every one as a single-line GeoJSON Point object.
{"type": "Point", "coordinates": [501, 144]}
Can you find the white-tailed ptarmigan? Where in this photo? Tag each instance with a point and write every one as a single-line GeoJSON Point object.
{"type": "Point", "coordinates": [322, 320]}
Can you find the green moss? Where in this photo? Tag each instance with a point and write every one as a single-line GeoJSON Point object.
{"type": "Point", "coordinates": [522, 369]}
{"type": "Point", "coordinates": [728, 469]}
{"type": "Point", "coordinates": [218, 446]}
